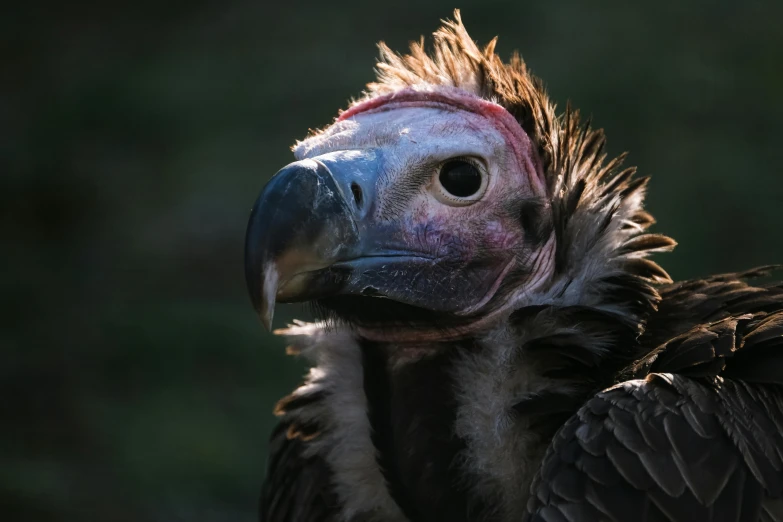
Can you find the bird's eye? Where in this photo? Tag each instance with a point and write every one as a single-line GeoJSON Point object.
{"type": "Point", "coordinates": [460, 178]}
{"type": "Point", "coordinates": [460, 182]}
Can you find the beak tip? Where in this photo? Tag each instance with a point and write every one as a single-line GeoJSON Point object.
{"type": "Point", "coordinates": [266, 319]}
{"type": "Point", "coordinates": [268, 295]}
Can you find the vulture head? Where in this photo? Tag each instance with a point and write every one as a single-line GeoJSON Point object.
{"type": "Point", "coordinates": [445, 198]}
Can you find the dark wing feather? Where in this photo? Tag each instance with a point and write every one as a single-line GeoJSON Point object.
{"type": "Point", "coordinates": [667, 448]}
{"type": "Point", "coordinates": [297, 487]}
{"type": "Point", "coordinates": [687, 304]}
{"type": "Point", "coordinates": [747, 347]}
{"type": "Point", "coordinates": [721, 326]}
{"type": "Point", "coordinates": [697, 434]}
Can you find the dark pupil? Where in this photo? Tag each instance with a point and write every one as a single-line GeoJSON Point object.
{"type": "Point", "coordinates": [460, 178]}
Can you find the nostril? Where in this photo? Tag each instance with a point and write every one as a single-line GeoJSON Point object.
{"type": "Point", "coordinates": [358, 197]}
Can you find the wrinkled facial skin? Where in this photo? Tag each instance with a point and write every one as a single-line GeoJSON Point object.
{"type": "Point", "coordinates": [419, 245]}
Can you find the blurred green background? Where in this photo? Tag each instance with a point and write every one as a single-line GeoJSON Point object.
{"type": "Point", "coordinates": [137, 383]}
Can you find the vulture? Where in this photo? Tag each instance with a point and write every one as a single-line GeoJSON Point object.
{"type": "Point", "coordinates": [493, 341]}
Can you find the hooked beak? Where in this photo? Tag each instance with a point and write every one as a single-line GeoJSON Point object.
{"type": "Point", "coordinates": [300, 226]}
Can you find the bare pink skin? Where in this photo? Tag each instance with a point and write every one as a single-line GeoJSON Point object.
{"type": "Point", "coordinates": [516, 138]}
{"type": "Point", "coordinates": [413, 133]}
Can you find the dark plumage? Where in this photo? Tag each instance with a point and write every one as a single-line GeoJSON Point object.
{"type": "Point", "coordinates": [573, 381]}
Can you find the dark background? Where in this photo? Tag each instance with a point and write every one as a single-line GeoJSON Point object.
{"type": "Point", "coordinates": [136, 383]}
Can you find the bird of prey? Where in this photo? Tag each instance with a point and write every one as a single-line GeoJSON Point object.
{"type": "Point", "coordinates": [495, 343]}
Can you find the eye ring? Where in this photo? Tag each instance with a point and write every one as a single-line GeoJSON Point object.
{"type": "Point", "coordinates": [460, 181]}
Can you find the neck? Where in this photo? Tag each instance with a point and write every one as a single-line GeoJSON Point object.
{"type": "Point", "coordinates": [452, 431]}
{"type": "Point", "coordinates": [412, 407]}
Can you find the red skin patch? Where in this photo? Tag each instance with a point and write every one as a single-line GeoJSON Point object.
{"type": "Point", "coordinates": [516, 138]}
